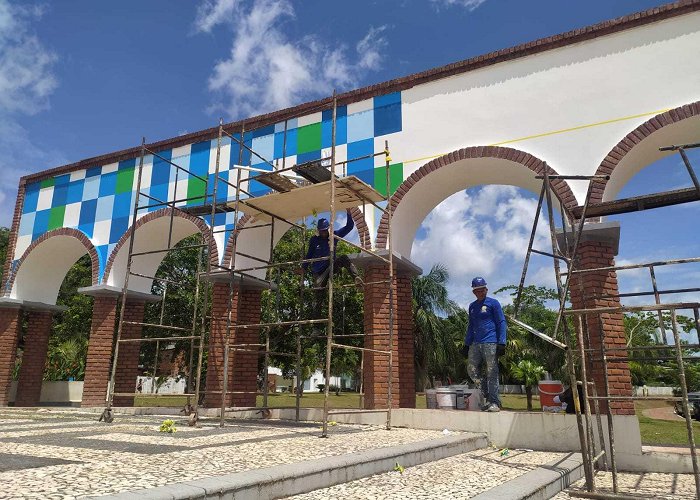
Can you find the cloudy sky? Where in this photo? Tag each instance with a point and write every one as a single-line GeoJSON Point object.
{"type": "Point", "coordinates": [82, 78]}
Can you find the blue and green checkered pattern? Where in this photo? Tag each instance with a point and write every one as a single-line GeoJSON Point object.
{"type": "Point", "coordinates": [99, 201]}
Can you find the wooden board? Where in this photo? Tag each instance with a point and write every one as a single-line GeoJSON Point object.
{"type": "Point", "coordinates": [305, 201]}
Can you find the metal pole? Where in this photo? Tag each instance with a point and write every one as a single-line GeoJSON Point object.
{"type": "Point", "coordinates": [155, 368]}
{"type": "Point", "coordinates": [684, 402]}
{"type": "Point", "coordinates": [229, 311]}
{"type": "Point", "coordinates": [516, 305]}
{"type": "Point", "coordinates": [331, 264]}
{"type": "Point", "coordinates": [579, 421]}
{"type": "Point", "coordinates": [657, 299]}
{"type": "Point", "coordinates": [107, 415]}
{"type": "Point", "coordinates": [587, 409]}
{"type": "Point", "coordinates": [390, 401]}
{"type": "Point", "coordinates": [611, 425]}
{"type": "Point", "coordinates": [690, 169]}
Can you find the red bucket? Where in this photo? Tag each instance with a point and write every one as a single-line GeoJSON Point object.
{"type": "Point", "coordinates": [548, 390]}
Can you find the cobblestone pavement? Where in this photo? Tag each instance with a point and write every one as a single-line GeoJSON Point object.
{"type": "Point", "coordinates": [66, 454]}
{"type": "Point", "coordinates": [650, 484]}
{"type": "Point", "coordinates": [461, 476]}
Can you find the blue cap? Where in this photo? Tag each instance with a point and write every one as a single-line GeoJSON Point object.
{"type": "Point", "coordinates": [478, 282]}
{"type": "Point", "coordinates": [322, 224]}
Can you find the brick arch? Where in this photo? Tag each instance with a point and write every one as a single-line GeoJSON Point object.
{"type": "Point", "coordinates": [635, 137]}
{"type": "Point", "coordinates": [560, 188]}
{"type": "Point", "coordinates": [151, 216]}
{"type": "Point", "coordinates": [357, 216]}
{"type": "Point", "coordinates": [63, 231]}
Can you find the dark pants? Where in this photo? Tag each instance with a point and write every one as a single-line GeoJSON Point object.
{"type": "Point", "coordinates": [321, 280]}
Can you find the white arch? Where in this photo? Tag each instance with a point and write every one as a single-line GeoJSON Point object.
{"type": "Point", "coordinates": [439, 184]}
{"type": "Point", "coordinates": [42, 271]}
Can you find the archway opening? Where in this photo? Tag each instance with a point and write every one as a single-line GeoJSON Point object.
{"type": "Point", "coordinates": [483, 231]}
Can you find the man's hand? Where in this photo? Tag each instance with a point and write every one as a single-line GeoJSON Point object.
{"type": "Point", "coordinates": [500, 350]}
{"type": "Point", "coordinates": [465, 350]}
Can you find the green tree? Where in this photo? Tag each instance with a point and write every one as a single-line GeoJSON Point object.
{"type": "Point", "coordinates": [436, 352]}
{"type": "Point", "coordinates": [289, 302]}
{"type": "Point", "coordinates": [529, 373]}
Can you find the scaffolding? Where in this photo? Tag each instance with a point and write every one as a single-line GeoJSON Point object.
{"type": "Point", "coordinates": [297, 192]}
{"type": "Point", "coordinates": [574, 327]}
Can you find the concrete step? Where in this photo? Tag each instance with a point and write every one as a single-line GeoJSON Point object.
{"type": "Point", "coordinates": [285, 480]}
{"type": "Point", "coordinates": [486, 473]}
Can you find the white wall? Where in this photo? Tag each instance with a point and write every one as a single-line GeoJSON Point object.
{"type": "Point", "coordinates": [640, 71]}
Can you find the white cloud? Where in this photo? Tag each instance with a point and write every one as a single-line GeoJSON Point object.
{"type": "Point", "coordinates": [267, 69]}
{"type": "Point", "coordinates": [211, 13]}
{"type": "Point", "coordinates": [484, 232]}
{"type": "Point", "coordinates": [470, 5]}
{"type": "Point", "coordinates": [26, 83]}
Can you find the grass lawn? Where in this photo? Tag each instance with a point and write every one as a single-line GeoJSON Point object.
{"type": "Point", "coordinates": [653, 431]}
{"type": "Point", "coordinates": [513, 402]}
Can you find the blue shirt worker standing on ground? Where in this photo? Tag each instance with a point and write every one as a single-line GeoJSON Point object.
{"type": "Point", "coordinates": [484, 343]}
{"type": "Point", "coordinates": [319, 247]}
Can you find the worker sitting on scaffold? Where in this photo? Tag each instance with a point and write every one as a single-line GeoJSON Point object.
{"type": "Point", "coordinates": [319, 247]}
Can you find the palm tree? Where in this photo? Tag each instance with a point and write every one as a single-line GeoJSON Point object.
{"type": "Point", "coordinates": [435, 349]}
{"type": "Point", "coordinates": [530, 374]}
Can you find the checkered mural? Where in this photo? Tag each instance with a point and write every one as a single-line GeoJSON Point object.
{"type": "Point", "coordinates": [99, 201]}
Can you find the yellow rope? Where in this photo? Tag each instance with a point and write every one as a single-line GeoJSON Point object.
{"type": "Point", "coordinates": [553, 132]}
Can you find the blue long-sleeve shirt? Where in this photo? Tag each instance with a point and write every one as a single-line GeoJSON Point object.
{"type": "Point", "coordinates": [487, 324]}
{"type": "Point", "coordinates": [318, 247]}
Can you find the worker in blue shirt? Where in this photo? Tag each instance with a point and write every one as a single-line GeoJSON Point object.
{"type": "Point", "coordinates": [485, 342]}
{"type": "Point", "coordinates": [319, 247]}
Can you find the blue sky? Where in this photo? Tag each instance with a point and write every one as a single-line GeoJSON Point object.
{"type": "Point", "coordinates": [83, 78]}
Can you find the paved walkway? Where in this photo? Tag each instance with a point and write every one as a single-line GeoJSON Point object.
{"type": "Point", "coordinates": [649, 484]}
{"type": "Point", "coordinates": [65, 454]}
{"type": "Point", "coordinates": [461, 476]}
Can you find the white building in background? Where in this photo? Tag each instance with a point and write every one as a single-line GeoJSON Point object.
{"type": "Point", "coordinates": [311, 384]}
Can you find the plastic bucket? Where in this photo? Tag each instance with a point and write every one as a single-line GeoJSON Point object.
{"type": "Point", "coordinates": [446, 398]}
{"type": "Point", "coordinates": [431, 399]}
{"type": "Point", "coordinates": [461, 395]}
{"type": "Point", "coordinates": [548, 390]}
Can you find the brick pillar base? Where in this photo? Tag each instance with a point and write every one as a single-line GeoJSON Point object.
{"type": "Point", "coordinates": [243, 366]}
{"type": "Point", "coordinates": [584, 290]}
{"type": "Point", "coordinates": [99, 351]}
{"type": "Point", "coordinates": [36, 345]}
{"type": "Point", "coordinates": [10, 327]}
{"type": "Point", "coordinates": [128, 361]}
{"type": "Point", "coordinates": [376, 320]}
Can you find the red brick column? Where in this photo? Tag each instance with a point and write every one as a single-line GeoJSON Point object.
{"type": "Point", "coordinates": [584, 292]}
{"type": "Point", "coordinates": [10, 327]}
{"type": "Point", "coordinates": [243, 366]}
{"type": "Point", "coordinates": [406, 352]}
{"type": "Point", "coordinates": [217, 341]}
{"type": "Point", "coordinates": [128, 360]}
{"type": "Point", "coordinates": [376, 320]}
{"type": "Point", "coordinates": [36, 345]}
{"type": "Point", "coordinates": [99, 354]}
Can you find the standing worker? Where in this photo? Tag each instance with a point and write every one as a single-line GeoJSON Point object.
{"type": "Point", "coordinates": [319, 247]}
{"type": "Point", "coordinates": [485, 343]}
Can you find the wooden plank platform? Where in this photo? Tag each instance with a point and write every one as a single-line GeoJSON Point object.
{"type": "Point", "coordinates": [305, 201]}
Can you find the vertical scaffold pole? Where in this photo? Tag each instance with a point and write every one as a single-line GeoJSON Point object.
{"type": "Point", "coordinates": [390, 401]}
{"type": "Point", "coordinates": [684, 394]}
{"type": "Point", "coordinates": [107, 415]}
{"type": "Point", "coordinates": [229, 312]}
{"type": "Point", "coordinates": [331, 265]}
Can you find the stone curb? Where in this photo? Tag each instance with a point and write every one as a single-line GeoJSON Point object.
{"type": "Point", "coordinates": [293, 479]}
{"type": "Point", "coordinates": [541, 483]}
